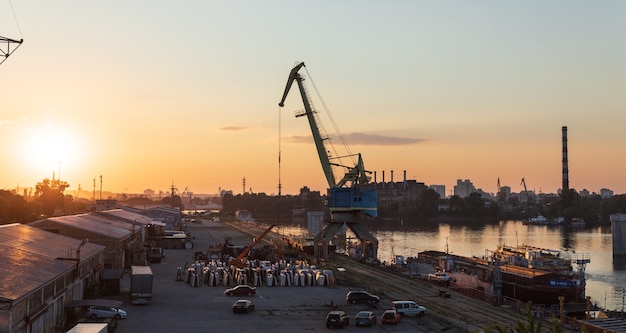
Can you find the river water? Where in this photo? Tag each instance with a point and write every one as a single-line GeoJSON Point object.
{"type": "Point", "coordinates": [606, 275]}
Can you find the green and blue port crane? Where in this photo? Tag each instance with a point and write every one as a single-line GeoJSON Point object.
{"type": "Point", "coordinates": [346, 198]}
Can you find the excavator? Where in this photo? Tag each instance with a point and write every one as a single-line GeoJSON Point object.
{"type": "Point", "coordinates": [239, 260]}
{"type": "Point", "coordinates": [348, 197]}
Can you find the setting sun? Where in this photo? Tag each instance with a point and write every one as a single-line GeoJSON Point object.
{"type": "Point", "coordinates": [45, 148]}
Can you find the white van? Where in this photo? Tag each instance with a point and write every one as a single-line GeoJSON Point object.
{"type": "Point", "coordinates": [408, 308]}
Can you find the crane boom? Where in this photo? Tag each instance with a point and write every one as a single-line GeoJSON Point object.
{"type": "Point", "coordinates": [238, 261]}
{"type": "Point", "coordinates": [322, 152]}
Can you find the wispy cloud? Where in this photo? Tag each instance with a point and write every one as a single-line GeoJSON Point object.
{"type": "Point", "coordinates": [233, 128]}
{"type": "Point", "coordinates": [363, 139]}
{"type": "Point", "coordinates": [6, 122]}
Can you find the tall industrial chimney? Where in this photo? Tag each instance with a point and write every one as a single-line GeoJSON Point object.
{"type": "Point", "coordinates": [565, 169]}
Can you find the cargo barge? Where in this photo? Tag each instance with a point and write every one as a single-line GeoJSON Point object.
{"type": "Point", "coordinates": [524, 273]}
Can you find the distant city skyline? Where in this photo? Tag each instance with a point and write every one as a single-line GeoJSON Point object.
{"type": "Point", "coordinates": [153, 94]}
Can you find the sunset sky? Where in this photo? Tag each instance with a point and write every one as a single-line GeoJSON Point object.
{"type": "Point", "coordinates": [154, 93]}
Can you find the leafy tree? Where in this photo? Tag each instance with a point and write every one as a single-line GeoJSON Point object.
{"type": "Point", "coordinates": [174, 201]}
{"type": "Point", "coordinates": [474, 204]}
{"type": "Point", "coordinates": [50, 194]}
{"type": "Point", "coordinates": [12, 207]}
{"type": "Point", "coordinates": [428, 202]}
{"type": "Point", "coordinates": [456, 204]}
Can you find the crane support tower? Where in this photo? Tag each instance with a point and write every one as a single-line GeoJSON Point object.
{"type": "Point", "coordinates": [349, 198]}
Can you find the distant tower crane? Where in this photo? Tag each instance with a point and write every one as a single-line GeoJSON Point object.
{"type": "Point", "coordinates": [346, 200]}
{"type": "Point", "coordinates": [188, 194]}
{"type": "Point", "coordinates": [526, 194]}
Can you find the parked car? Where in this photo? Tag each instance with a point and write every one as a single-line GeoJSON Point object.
{"type": "Point", "coordinates": [94, 312]}
{"type": "Point", "coordinates": [243, 306]}
{"type": "Point", "coordinates": [390, 317]}
{"type": "Point", "coordinates": [242, 289]}
{"type": "Point", "coordinates": [442, 276]}
{"type": "Point", "coordinates": [408, 308]}
{"type": "Point", "coordinates": [365, 318]}
{"type": "Point", "coordinates": [361, 297]}
{"type": "Point", "coordinates": [337, 319]}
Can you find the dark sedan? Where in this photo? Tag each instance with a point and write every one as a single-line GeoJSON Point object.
{"type": "Point", "coordinates": [365, 318]}
{"type": "Point", "coordinates": [242, 289]}
{"type": "Point", "coordinates": [243, 306]}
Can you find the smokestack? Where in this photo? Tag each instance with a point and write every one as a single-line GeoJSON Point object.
{"type": "Point", "coordinates": [374, 177]}
{"type": "Point", "coordinates": [565, 169]}
{"type": "Point", "coordinates": [383, 178]}
{"type": "Point", "coordinates": [392, 176]}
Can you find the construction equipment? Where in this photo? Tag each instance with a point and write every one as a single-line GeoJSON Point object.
{"type": "Point", "coordinates": [239, 260]}
{"type": "Point", "coordinates": [347, 198]}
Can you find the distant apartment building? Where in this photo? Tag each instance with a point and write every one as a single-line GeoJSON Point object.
{"type": "Point", "coordinates": [505, 193]}
{"type": "Point", "coordinates": [605, 193]}
{"type": "Point", "coordinates": [225, 192]}
{"type": "Point", "coordinates": [440, 189]}
{"type": "Point", "coordinates": [463, 188]}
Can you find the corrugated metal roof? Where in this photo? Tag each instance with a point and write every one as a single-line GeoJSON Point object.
{"type": "Point", "coordinates": [172, 210]}
{"type": "Point", "coordinates": [609, 324]}
{"type": "Point", "coordinates": [92, 223]}
{"type": "Point", "coordinates": [29, 258]}
{"type": "Point", "coordinates": [130, 217]}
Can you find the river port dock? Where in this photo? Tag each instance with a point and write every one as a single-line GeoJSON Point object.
{"type": "Point", "coordinates": [179, 307]}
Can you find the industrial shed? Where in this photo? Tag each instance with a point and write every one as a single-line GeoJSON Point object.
{"type": "Point", "coordinates": [40, 272]}
{"type": "Point", "coordinates": [170, 216]}
{"type": "Point", "coordinates": [118, 237]}
{"type": "Point", "coordinates": [136, 220]}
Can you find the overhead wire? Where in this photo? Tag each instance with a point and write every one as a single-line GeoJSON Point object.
{"type": "Point", "coordinates": [16, 21]}
{"type": "Point", "coordinates": [332, 120]}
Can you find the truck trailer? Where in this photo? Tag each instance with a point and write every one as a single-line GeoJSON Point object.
{"type": "Point", "coordinates": [140, 284]}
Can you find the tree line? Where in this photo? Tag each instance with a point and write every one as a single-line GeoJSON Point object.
{"type": "Point", "coordinates": [428, 205]}
{"type": "Point", "coordinates": [49, 199]}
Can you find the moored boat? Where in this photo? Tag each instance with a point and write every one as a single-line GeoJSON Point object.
{"type": "Point", "coordinates": [523, 273]}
